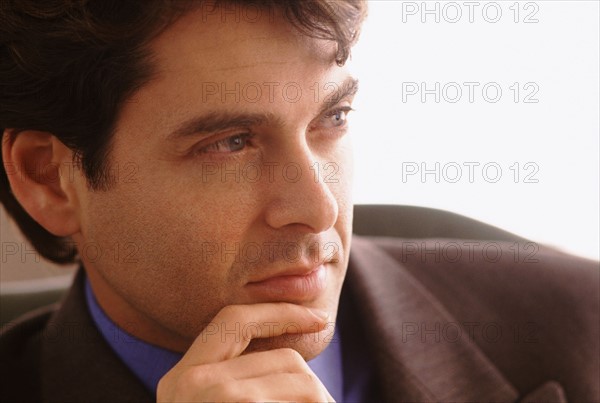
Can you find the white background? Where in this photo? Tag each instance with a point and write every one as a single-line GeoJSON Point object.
{"type": "Point", "coordinates": [558, 135]}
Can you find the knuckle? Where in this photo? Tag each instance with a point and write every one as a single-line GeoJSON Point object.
{"type": "Point", "coordinates": [232, 311]}
{"type": "Point", "coordinates": [309, 378]}
{"type": "Point", "coordinates": [224, 391]}
{"type": "Point", "coordinates": [198, 375]}
{"type": "Point", "coordinates": [186, 383]}
{"type": "Point", "coordinates": [312, 390]}
{"type": "Point", "coordinates": [290, 354]}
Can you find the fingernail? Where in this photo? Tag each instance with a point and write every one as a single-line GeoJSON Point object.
{"type": "Point", "coordinates": [323, 315]}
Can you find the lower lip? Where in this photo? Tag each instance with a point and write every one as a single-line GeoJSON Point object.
{"type": "Point", "coordinates": [292, 288]}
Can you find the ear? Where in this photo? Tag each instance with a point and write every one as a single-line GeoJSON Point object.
{"type": "Point", "coordinates": [41, 174]}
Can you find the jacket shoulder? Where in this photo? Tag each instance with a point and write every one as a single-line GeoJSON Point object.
{"type": "Point", "coordinates": [530, 309]}
{"type": "Point", "coordinates": [20, 349]}
{"type": "Point", "coordinates": [523, 273]}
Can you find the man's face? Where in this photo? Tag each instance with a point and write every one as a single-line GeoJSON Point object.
{"type": "Point", "coordinates": [231, 166]}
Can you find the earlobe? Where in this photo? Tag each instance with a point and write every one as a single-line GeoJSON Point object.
{"type": "Point", "coordinates": [40, 171]}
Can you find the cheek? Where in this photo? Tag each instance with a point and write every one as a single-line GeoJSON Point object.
{"type": "Point", "coordinates": [167, 232]}
{"type": "Point", "coordinates": [154, 244]}
{"type": "Point", "coordinates": [343, 181]}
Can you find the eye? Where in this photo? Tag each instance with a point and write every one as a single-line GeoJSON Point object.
{"type": "Point", "coordinates": [227, 145]}
{"type": "Point", "coordinates": [336, 118]}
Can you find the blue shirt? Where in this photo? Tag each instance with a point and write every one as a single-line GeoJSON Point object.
{"type": "Point", "coordinates": [150, 363]}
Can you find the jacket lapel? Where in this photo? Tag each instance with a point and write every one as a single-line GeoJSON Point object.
{"type": "Point", "coordinates": [416, 360]}
{"type": "Point", "coordinates": [77, 364]}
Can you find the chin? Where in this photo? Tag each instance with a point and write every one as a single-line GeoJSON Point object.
{"type": "Point", "coordinates": [308, 345]}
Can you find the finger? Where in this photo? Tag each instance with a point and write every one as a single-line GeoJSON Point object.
{"type": "Point", "coordinates": [281, 360]}
{"type": "Point", "coordinates": [276, 387]}
{"type": "Point", "coordinates": [232, 329]}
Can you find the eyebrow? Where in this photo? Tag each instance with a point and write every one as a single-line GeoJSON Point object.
{"type": "Point", "coordinates": [348, 88]}
{"type": "Point", "coordinates": [219, 121]}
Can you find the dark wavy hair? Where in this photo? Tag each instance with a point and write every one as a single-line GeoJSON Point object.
{"type": "Point", "coordinates": [67, 66]}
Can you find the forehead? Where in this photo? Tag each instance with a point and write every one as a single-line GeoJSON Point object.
{"type": "Point", "coordinates": [215, 64]}
{"type": "Point", "coordinates": [219, 44]}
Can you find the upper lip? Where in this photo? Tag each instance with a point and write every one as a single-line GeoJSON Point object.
{"type": "Point", "coordinates": [294, 271]}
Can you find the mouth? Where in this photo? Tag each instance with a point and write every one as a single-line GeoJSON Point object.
{"type": "Point", "coordinates": [293, 286]}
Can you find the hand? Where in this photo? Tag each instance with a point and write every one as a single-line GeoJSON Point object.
{"type": "Point", "coordinates": [213, 368]}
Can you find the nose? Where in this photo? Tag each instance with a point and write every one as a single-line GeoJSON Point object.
{"type": "Point", "coordinates": [299, 195]}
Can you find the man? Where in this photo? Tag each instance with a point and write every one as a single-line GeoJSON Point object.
{"type": "Point", "coordinates": [215, 244]}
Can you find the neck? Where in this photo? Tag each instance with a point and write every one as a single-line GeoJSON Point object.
{"type": "Point", "coordinates": [131, 320]}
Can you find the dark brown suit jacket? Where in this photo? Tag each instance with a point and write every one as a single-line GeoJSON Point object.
{"type": "Point", "coordinates": [441, 324]}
